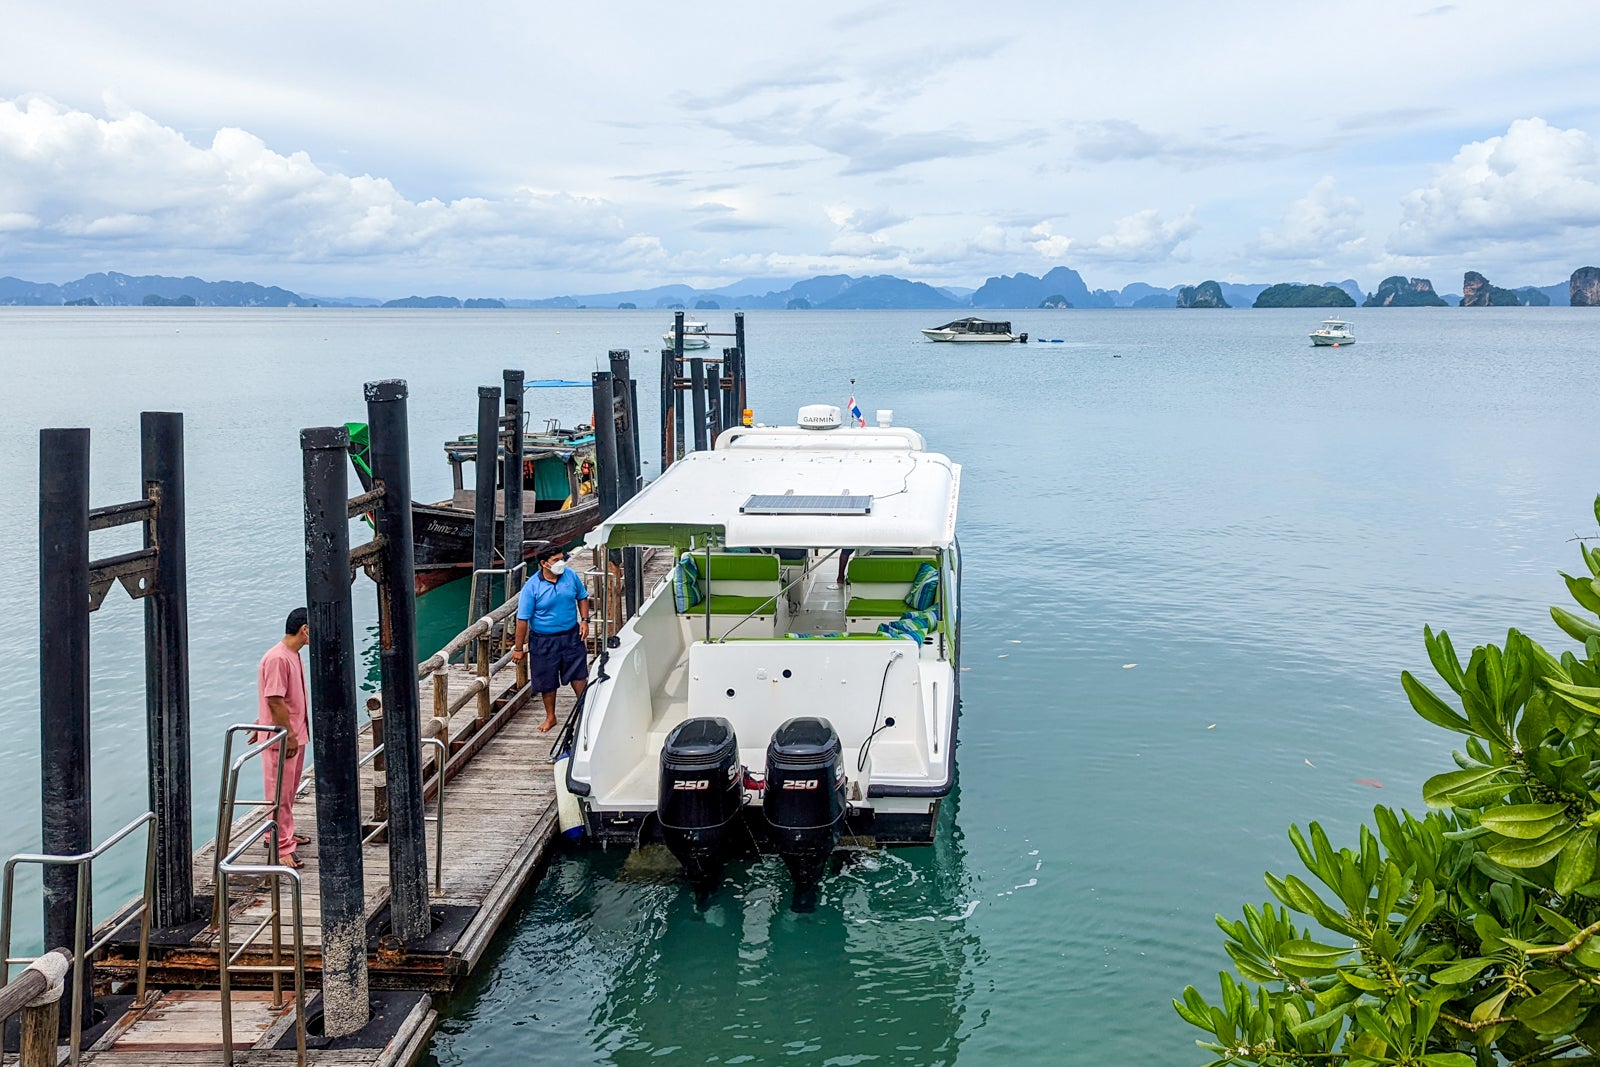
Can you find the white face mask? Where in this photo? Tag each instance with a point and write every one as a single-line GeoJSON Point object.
{"type": "Point", "coordinates": [557, 567]}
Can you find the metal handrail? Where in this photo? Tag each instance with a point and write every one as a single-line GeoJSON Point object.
{"type": "Point", "coordinates": [520, 569]}
{"type": "Point", "coordinates": [227, 796]}
{"type": "Point", "coordinates": [227, 962]}
{"type": "Point", "coordinates": [437, 818]}
{"type": "Point", "coordinates": [82, 921]}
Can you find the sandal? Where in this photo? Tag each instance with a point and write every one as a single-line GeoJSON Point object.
{"type": "Point", "coordinates": [292, 860]}
{"type": "Point", "coordinates": [301, 839]}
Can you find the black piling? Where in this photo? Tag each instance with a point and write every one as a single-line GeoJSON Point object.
{"type": "Point", "coordinates": [727, 394]}
{"type": "Point", "coordinates": [669, 402]}
{"type": "Point", "coordinates": [625, 389]}
{"type": "Point", "coordinates": [166, 658]}
{"type": "Point", "coordinates": [397, 655]}
{"type": "Point", "coordinates": [64, 682]}
{"type": "Point", "coordinates": [716, 403]}
{"type": "Point", "coordinates": [511, 479]}
{"type": "Point", "coordinates": [483, 501]}
{"type": "Point", "coordinates": [697, 389]}
{"type": "Point", "coordinates": [679, 437]}
{"type": "Point", "coordinates": [334, 736]}
{"type": "Point", "coordinates": [739, 375]}
{"type": "Point", "coordinates": [605, 442]}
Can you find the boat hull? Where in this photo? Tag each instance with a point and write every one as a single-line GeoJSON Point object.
{"type": "Point", "coordinates": [1327, 341]}
{"type": "Point", "coordinates": [689, 341]}
{"type": "Point", "coordinates": [985, 338]}
{"type": "Point", "coordinates": [442, 537]}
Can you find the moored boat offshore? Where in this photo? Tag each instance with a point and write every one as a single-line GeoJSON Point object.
{"type": "Point", "coordinates": [972, 329]}
{"type": "Point", "coordinates": [797, 681]}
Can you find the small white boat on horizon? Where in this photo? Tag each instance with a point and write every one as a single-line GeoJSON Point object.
{"type": "Point", "coordinates": [971, 329]}
{"type": "Point", "coordinates": [695, 335]}
{"type": "Point", "coordinates": [1333, 333]}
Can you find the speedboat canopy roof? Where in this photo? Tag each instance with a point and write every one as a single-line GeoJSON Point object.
{"type": "Point", "coordinates": [794, 488]}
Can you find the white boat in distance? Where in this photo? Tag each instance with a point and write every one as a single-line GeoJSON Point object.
{"type": "Point", "coordinates": [711, 725]}
{"type": "Point", "coordinates": [695, 335]}
{"type": "Point", "coordinates": [974, 330]}
{"type": "Point", "coordinates": [1333, 333]}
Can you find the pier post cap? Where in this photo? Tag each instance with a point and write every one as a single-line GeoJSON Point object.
{"type": "Point", "coordinates": [514, 375]}
{"type": "Point", "coordinates": [385, 390]}
{"type": "Point", "coordinates": [63, 433]}
{"type": "Point", "coordinates": [316, 438]}
{"type": "Point", "coordinates": [484, 392]}
{"type": "Point", "coordinates": [601, 375]}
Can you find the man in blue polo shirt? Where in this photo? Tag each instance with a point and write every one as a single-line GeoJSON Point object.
{"type": "Point", "coordinates": [554, 606]}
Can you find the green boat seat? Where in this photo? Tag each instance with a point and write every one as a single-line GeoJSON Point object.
{"type": "Point", "coordinates": [859, 606]}
{"type": "Point", "coordinates": [727, 604]}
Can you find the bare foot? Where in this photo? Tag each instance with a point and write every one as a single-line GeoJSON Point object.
{"type": "Point", "coordinates": [549, 724]}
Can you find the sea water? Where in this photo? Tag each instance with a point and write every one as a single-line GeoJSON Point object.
{"type": "Point", "coordinates": [1198, 554]}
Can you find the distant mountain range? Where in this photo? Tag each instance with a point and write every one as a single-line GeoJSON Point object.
{"type": "Point", "coordinates": [834, 291]}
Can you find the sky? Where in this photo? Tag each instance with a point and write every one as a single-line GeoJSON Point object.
{"type": "Point", "coordinates": [531, 150]}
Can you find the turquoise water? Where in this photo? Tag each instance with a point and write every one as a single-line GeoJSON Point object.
{"type": "Point", "coordinates": [1198, 555]}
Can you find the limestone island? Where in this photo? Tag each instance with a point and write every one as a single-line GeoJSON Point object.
{"type": "Point", "coordinates": [1296, 295]}
{"type": "Point", "coordinates": [1205, 295]}
{"type": "Point", "coordinates": [1398, 292]}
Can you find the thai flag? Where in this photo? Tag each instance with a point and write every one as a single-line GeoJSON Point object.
{"type": "Point", "coordinates": [855, 412]}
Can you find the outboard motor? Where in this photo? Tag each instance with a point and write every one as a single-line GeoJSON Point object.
{"type": "Point", "coordinates": [804, 800]}
{"type": "Point", "coordinates": [701, 793]}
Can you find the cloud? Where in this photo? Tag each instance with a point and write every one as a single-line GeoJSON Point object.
{"type": "Point", "coordinates": [866, 220]}
{"type": "Point", "coordinates": [1533, 184]}
{"type": "Point", "coordinates": [72, 184]}
{"type": "Point", "coordinates": [866, 145]}
{"type": "Point", "coordinates": [1118, 140]}
{"type": "Point", "coordinates": [1141, 238]}
{"type": "Point", "coordinates": [1315, 227]}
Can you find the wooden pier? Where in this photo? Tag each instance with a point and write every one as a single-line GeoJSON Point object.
{"type": "Point", "coordinates": [153, 985]}
{"type": "Point", "coordinates": [499, 827]}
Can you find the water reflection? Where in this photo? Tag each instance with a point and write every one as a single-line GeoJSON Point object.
{"type": "Point", "coordinates": [611, 962]}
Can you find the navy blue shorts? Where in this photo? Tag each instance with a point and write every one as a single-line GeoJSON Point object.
{"type": "Point", "coordinates": [555, 660]}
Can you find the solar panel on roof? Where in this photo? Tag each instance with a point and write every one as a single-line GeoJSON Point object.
{"type": "Point", "coordinates": [795, 504]}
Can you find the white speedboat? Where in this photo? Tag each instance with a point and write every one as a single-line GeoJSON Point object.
{"type": "Point", "coordinates": [695, 335]}
{"type": "Point", "coordinates": [1333, 333]}
{"type": "Point", "coordinates": [757, 701]}
{"type": "Point", "coordinates": [974, 330]}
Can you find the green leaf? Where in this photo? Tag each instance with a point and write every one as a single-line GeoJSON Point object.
{"type": "Point", "coordinates": [1525, 822]}
{"type": "Point", "coordinates": [1308, 958]}
{"type": "Point", "coordinates": [1464, 971]}
{"type": "Point", "coordinates": [1583, 591]}
{"type": "Point", "coordinates": [1442, 790]}
{"type": "Point", "coordinates": [1574, 627]}
{"type": "Point", "coordinates": [1431, 708]}
{"type": "Point", "coordinates": [1577, 862]}
{"type": "Point", "coordinates": [1552, 1011]}
{"type": "Point", "coordinates": [1364, 982]}
{"type": "Point", "coordinates": [1525, 854]}
{"type": "Point", "coordinates": [1448, 1059]}
{"type": "Point", "coordinates": [1317, 1024]}
{"type": "Point", "coordinates": [1443, 657]}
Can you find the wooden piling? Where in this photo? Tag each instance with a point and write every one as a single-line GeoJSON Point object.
{"type": "Point", "coordinates": [333, 707]}
{"type": "Point", "coordinates": [697, 391]}
{"type": "Point", "coordinates": [166, 657]}
{"type": "Point", "coordinates": [410, 919]}
{"type": "Point", "coordinates": [64, 682]}
{"type": "Point", "coordinates": [488, 466]}
{"type": "Point", "coordinates": [511, 479]}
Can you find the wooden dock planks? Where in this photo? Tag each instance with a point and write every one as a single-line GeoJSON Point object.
{"type": "Point", "coordinates": [499, 824]}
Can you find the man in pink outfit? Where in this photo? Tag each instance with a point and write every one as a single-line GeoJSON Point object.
{"type": "Point", "coordinates": [281, 691]}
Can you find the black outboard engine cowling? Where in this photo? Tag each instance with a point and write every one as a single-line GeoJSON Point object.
{"type": "Point", "coordinates": [804, 801]}
{"type": "Point", "coordinates": [701, 793]}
